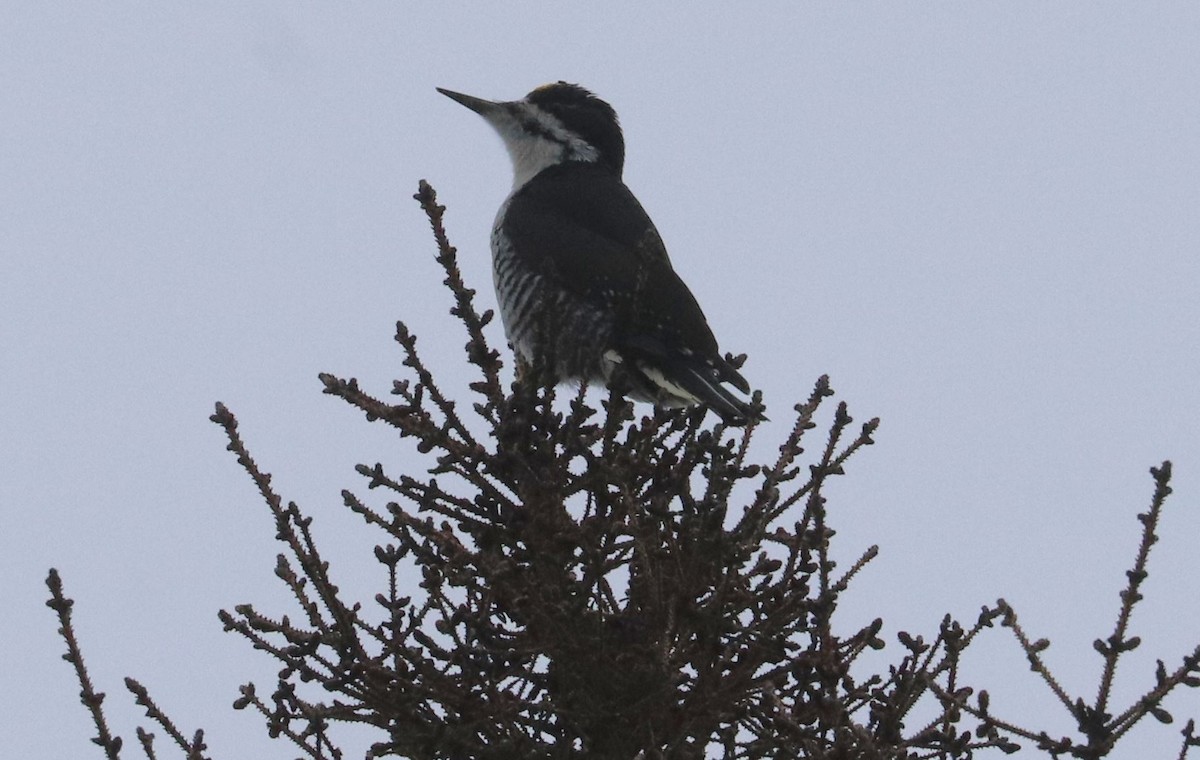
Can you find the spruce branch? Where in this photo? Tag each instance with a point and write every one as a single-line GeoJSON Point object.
{"type": "Point", "coordinates": [1100, 731]}
{"type": "Point", "coordinates": [193, 748]}
{"type": "Point", "coordinates": [1116, 644]}
{"type": "Point", "coordinates": [569, 575]}
{"type": "Point", "coordinates": [1189, 739]}
{"type": "Point", "coordinates": [93, 700]}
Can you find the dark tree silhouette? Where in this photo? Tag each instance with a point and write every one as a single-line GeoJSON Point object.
{"type": "Point", "coordinates": [595, 583]}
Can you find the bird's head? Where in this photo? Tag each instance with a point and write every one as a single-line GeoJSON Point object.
{"type": "Point", "coordinates": [553, 124]}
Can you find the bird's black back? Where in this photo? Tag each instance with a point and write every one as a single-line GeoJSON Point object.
{"type": "Point", "coordinates": [578, 226]}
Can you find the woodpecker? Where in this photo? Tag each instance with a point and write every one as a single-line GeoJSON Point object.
{"type": "Point", "coordinates": [582, 277]}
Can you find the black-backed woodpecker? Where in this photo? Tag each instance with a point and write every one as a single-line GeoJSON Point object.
{"type": "Point", "coordinates": [582, 277]}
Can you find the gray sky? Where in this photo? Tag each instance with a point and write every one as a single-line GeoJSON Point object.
{"type": "Point", "coordinates": [980, 220]}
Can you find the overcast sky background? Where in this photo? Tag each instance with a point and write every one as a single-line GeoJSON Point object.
{"type": "Point", "coordinates": [981, 220]}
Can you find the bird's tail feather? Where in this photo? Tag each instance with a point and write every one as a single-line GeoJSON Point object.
{"type": "Point", "coordinates": [690, 381]}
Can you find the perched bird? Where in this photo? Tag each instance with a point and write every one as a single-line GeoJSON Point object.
{"type": "Point", "coordinates": [582, 277]}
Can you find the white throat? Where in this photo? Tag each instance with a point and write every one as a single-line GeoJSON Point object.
{"type": "Point", "coordinates": [531, 155]}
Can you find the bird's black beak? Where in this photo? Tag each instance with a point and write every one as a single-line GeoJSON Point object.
{"type": "Point", "coordinates": [478, 105]}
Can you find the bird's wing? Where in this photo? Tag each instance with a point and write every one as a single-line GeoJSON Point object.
{"type": "Point", "coordinates": [594, 240]}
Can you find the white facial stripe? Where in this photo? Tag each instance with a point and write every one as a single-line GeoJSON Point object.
{"type": "Point", "coordinates": [533, 149]}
